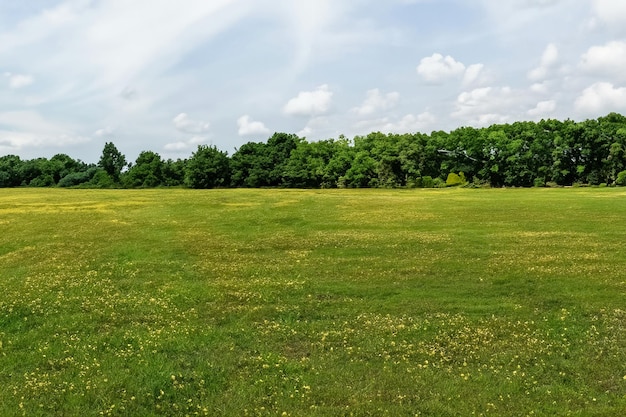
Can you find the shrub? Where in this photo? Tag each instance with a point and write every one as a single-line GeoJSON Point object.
{"type": "Point", "coordinates": [455, 179]}
{"type": "Point", "coordinates": [101, 180]}
{"type": "Point", "coordinates": [621, 178]}
{"type": "Point", "coordinates": [439, 183]}
{"type": "Point", "coordinates": [77, 178]}
{"type": "Point", "coordinates": [426, 182]}
{"type": "Point", "coordinates": [42, 181]}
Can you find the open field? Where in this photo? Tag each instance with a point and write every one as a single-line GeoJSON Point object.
{"type": "Point", "coordinates": [503, 302]}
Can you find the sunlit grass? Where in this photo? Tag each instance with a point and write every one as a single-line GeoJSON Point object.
{"type": "Point", "coordinates": [321, 303]}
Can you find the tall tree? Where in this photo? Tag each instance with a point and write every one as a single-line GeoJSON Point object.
{"type": "Point", "coordinates": [112, 161]}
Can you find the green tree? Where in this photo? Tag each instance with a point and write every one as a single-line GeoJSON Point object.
{"type": "Point", "coordinates": [35, 173]}
{"type": "Point", "coordinates": [279, 148]}
{"type": "Point", "coordinates": [174, 172]}
{"type": "Point", "coordinates": [341, 154]}
{"type": "Point", "coordinates": [251, 165]}
{"type": "Point", "coordinates": [308, 165]}
{"type": "Point", "coordinates": [60, 165]}
{"type": "Point", "coordinates": [112, 161]}
{"type": "Point", "coordinates": [147, 171]}
{"type": "Point", "coordinates": [10, 171]}
{"type": "Point", "coordinates": [207, 168]}
{"type": "Point", "coordinates": [362, 172]}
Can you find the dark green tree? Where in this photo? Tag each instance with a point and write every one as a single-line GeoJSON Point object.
{"type": "Point", "coordinates": [251, 166]}
{"type": "Point", "coordinates": [174, 172]}
{"type": "Point", "coordinates": [36, 173]}
{"type": "Point", "coordinates": [112, 161]}
{"type": "Point", "coordinates": [341, 154]}
{"type": "Point", "coordinates": [61, 165]}
{"type": "Point", "coordinates": [147, 171]}
{"type": "Point", "coordinates": [77, 178]}
{"type": "Point", "coordinates": [279, 148]}
{"type": "Point", "coordinates": [10, 171]}
{"type": "Point", "coordinates": [207, 168]}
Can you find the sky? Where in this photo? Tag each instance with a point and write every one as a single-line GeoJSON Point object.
{"type": "Point", "coordinates": [167, 76]}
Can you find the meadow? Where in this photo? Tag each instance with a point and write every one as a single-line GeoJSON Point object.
{"type": "Point", "coordinates": [446, 302]}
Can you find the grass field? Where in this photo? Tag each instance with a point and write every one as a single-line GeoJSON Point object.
{"type": "Point", "coordinates": [312, 302]}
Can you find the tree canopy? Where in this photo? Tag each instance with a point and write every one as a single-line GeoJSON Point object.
{"type": "Point", "coordinates": [520, 154]}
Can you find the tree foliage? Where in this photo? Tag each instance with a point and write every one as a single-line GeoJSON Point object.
{"type": "Point", "coordinates": [146, 172]}
{"type": "Point", "coordinates": [208, 167]}
{"type": "Point", "coordinates": [520, 154]}
{"type": "Point", "coordinates": [112, 161]}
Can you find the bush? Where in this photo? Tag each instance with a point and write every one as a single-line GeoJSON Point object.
{"type": "Point", "coordinates": [477, 183]}
{"type": "Point", "coordinates": [439, 183]}
{"type": "Point", "coordinates": [621, 178]}
{"type": "Point", "coordinates": [455, 179]}
{"type": "Point", "coordinates": [427, 182]}
{"type": "Point", "coordinates": [42, 181]}
{"type": "Point", "coordinates": [101, 180]}
{"type": "Point", "coordinates": [77, 178]}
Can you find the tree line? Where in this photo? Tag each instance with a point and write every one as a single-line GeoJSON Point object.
{"type": "Point", "coordinates": [521, 154]}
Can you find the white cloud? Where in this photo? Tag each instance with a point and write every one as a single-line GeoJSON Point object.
{"type": "Point", "coordinates": [21, 129]}
{"type": "Point", "coordinates": [406, 124]}
{"type": "Point", "coordinates": [437, 68]}
{"type": "Point", "coordinates": [377, 102]}
{"type": "Point", "coordinates": [609, 59]}
{"type": "Point", "coordinates": [600, 98]}
{"type": "Point", "coordinates": [543, 108]}
{"type": "Point", "coordinates": [475, 75]}
{"type": "Point", "coordinates": [19, 80]}
{"type": "Point", "coordinates": [310, 103]}
{"type": "Point", "coordinates": [176, 146]}
{"type": "Point", "coordinates": [249, 127]}
{"type": "Point", "coordinates": [104, 132]}
{"type": "Point", "coordinates": [610, 11]}
{"type": "Point", "coordinates": [186, 125]}
{"type": "Point", "coordinates": [410, 123]}
{"type": "Point", "coordinates": [549, 60]}
{"type": "Point", "coordinates": [305, 132]}
{"type": "Point", "coordinates": [315, 126]}
{"type": "Point", "coordinates": [185, 145]}
{"type": "Point", "coordinates": [539, 88]}
{"type": "Point", "coordinates": [488, 105]}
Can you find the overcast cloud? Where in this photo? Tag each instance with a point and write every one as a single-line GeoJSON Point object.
{"type": "Point", "coordinates": [167, 76]}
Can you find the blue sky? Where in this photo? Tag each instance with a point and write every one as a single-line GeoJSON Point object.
{"type": "Point", "coordinates": [166, 76]}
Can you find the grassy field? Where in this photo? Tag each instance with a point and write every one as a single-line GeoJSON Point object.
{"type": "Point", "coordinates": [313, 303]}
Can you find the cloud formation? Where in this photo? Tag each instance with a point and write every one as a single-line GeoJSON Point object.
{"type": "Point", "coordinates": [377, 102]}
{"type": "Point", "coordinates": [549, 60]}
{"type": "Point", "coordinates": [437, 68]}
{"type": "Point", "coordinates": [543, 109]}
{"type": "Point", "coordinates": [19, 80]}
{"type": "Point", "coordinates": [600, 98]}
{"type": "Point", "coordinates": [310, 103]}
{"type": "Point", "coordinates": [186, 125]}
{"type": "Point", "coordinates": [249, 127]}
{"type": "Point", "coordinates": [608, 59]}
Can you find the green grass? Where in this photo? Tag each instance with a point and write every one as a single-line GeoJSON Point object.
{"type": "Point", "coordinates": [313, 303]}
